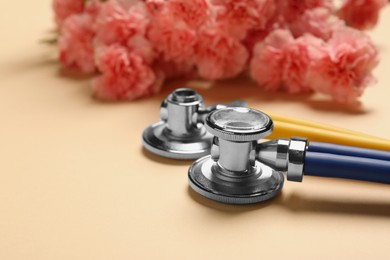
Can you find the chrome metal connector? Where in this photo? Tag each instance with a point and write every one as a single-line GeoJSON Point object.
{"type": "Point", "coordinates": [284, 155]}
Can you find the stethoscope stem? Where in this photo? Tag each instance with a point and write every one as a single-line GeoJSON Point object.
{"type": "Point", "coordinates": [347, 167]}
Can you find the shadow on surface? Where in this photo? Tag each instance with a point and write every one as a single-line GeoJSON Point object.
{"type": "Point", "coordinates": [19, 67]}
{"type": "Point", "coordinates": [74, 74]}
{"type": "Point", "coordinates": [298, 203]}
{"type": "Point", "coordinates": [163, 160]}
{"type": "Point", "coordinates": [231, 209]}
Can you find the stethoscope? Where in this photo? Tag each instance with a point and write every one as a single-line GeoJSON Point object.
{"type": "Point", "coordinates": [233, 166]}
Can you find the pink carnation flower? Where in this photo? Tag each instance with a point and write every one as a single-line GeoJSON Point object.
{"type": "Point", "coordinates": [267, 61]}
{"type": "Point", "coordinates": [255, 36]}
{"type": "Point", "coordinates": [92, 8]}
{"type": "Point", "coordinates": [281, 61]}
{"type": "Point", "coordinates": [298, 59]}
{"type": "Point", "coordinates": [138, 44]}
{"type": "Point", "coordinates": [291, 10]}
{"type": "Point", "coordinates": [346, 70]}
{"type": "Point", "coordinates": [125, 25]}
{"type": "Point", "coordinates": [319, 22]}
{"type": "Point", "coordinates": [239, 16]}
{"type": "Point", "coordinates": [361, 14]}
{"type": "Point", "coordinates": [193, 12]}
{"type": "Point", "coordinates": [65, 8]}
{"type": "Point", "coordinates": [117, 25]}
{"type": "Point", "coordinates": [156, 7]}
{"type": "Point", "coordinates": [127, 4]}
{"type": "Point", "coordinates": [173, 39]}
{"type": "Point", "coordinates": [125, 76]}
{"type": "Point", "coordinates": [75, 43]}
{"type": "Point", "coordinates": [218, 55]}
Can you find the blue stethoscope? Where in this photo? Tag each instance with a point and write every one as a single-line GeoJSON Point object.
{"type": "Point", "coordinates": [234, 167]}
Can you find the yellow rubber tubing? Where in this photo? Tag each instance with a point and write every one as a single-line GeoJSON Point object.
{"type": "Point", "coordinates": [316, 125]}
{"type": "Point", "coordinates": [287, 130]}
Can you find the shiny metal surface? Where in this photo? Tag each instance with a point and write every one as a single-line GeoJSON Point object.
{"type": "Point", "coordinates": [239, 124]}
{"type": "Point", "coordinates": [235, 128]}
{"type": "Point", "coordinates": [158, 140]}
{"type": "Point", "coordinates": [181, 133]}
{"type": "Point", "coordinates": [296, 159]}
{"type": "Point", "coordinates": [209, 180]}
{"type": "Point", "coordinates": [274, 153]}
{"type": "Point", "coordinates": [234, 156]}
{"type": "Point", "coordinates": [231, 174]}
{"type": "Point", "coordinates": [285, 155]}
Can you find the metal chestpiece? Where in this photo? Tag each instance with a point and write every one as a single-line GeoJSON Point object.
{"type": "Point", "coordinates": [181, 133]}
{"type": "Point", "coordinates": [239, 170]}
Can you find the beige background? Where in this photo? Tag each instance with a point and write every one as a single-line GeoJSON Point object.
{"type": "Point", "coordinates": [75, 182]}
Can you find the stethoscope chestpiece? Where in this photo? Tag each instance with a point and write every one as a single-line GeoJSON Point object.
{"type": "Point", "coordinates": [178, 135]}
{"type": "Point", "coordinates": [231, 173]}
{"type": "Point", "coordinates": [181, 133]}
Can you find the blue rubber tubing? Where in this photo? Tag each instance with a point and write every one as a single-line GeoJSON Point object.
{"type": "Point", "coordinates": [347, 167]}
{"type": "Point", "coordinates": [348, 150]}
